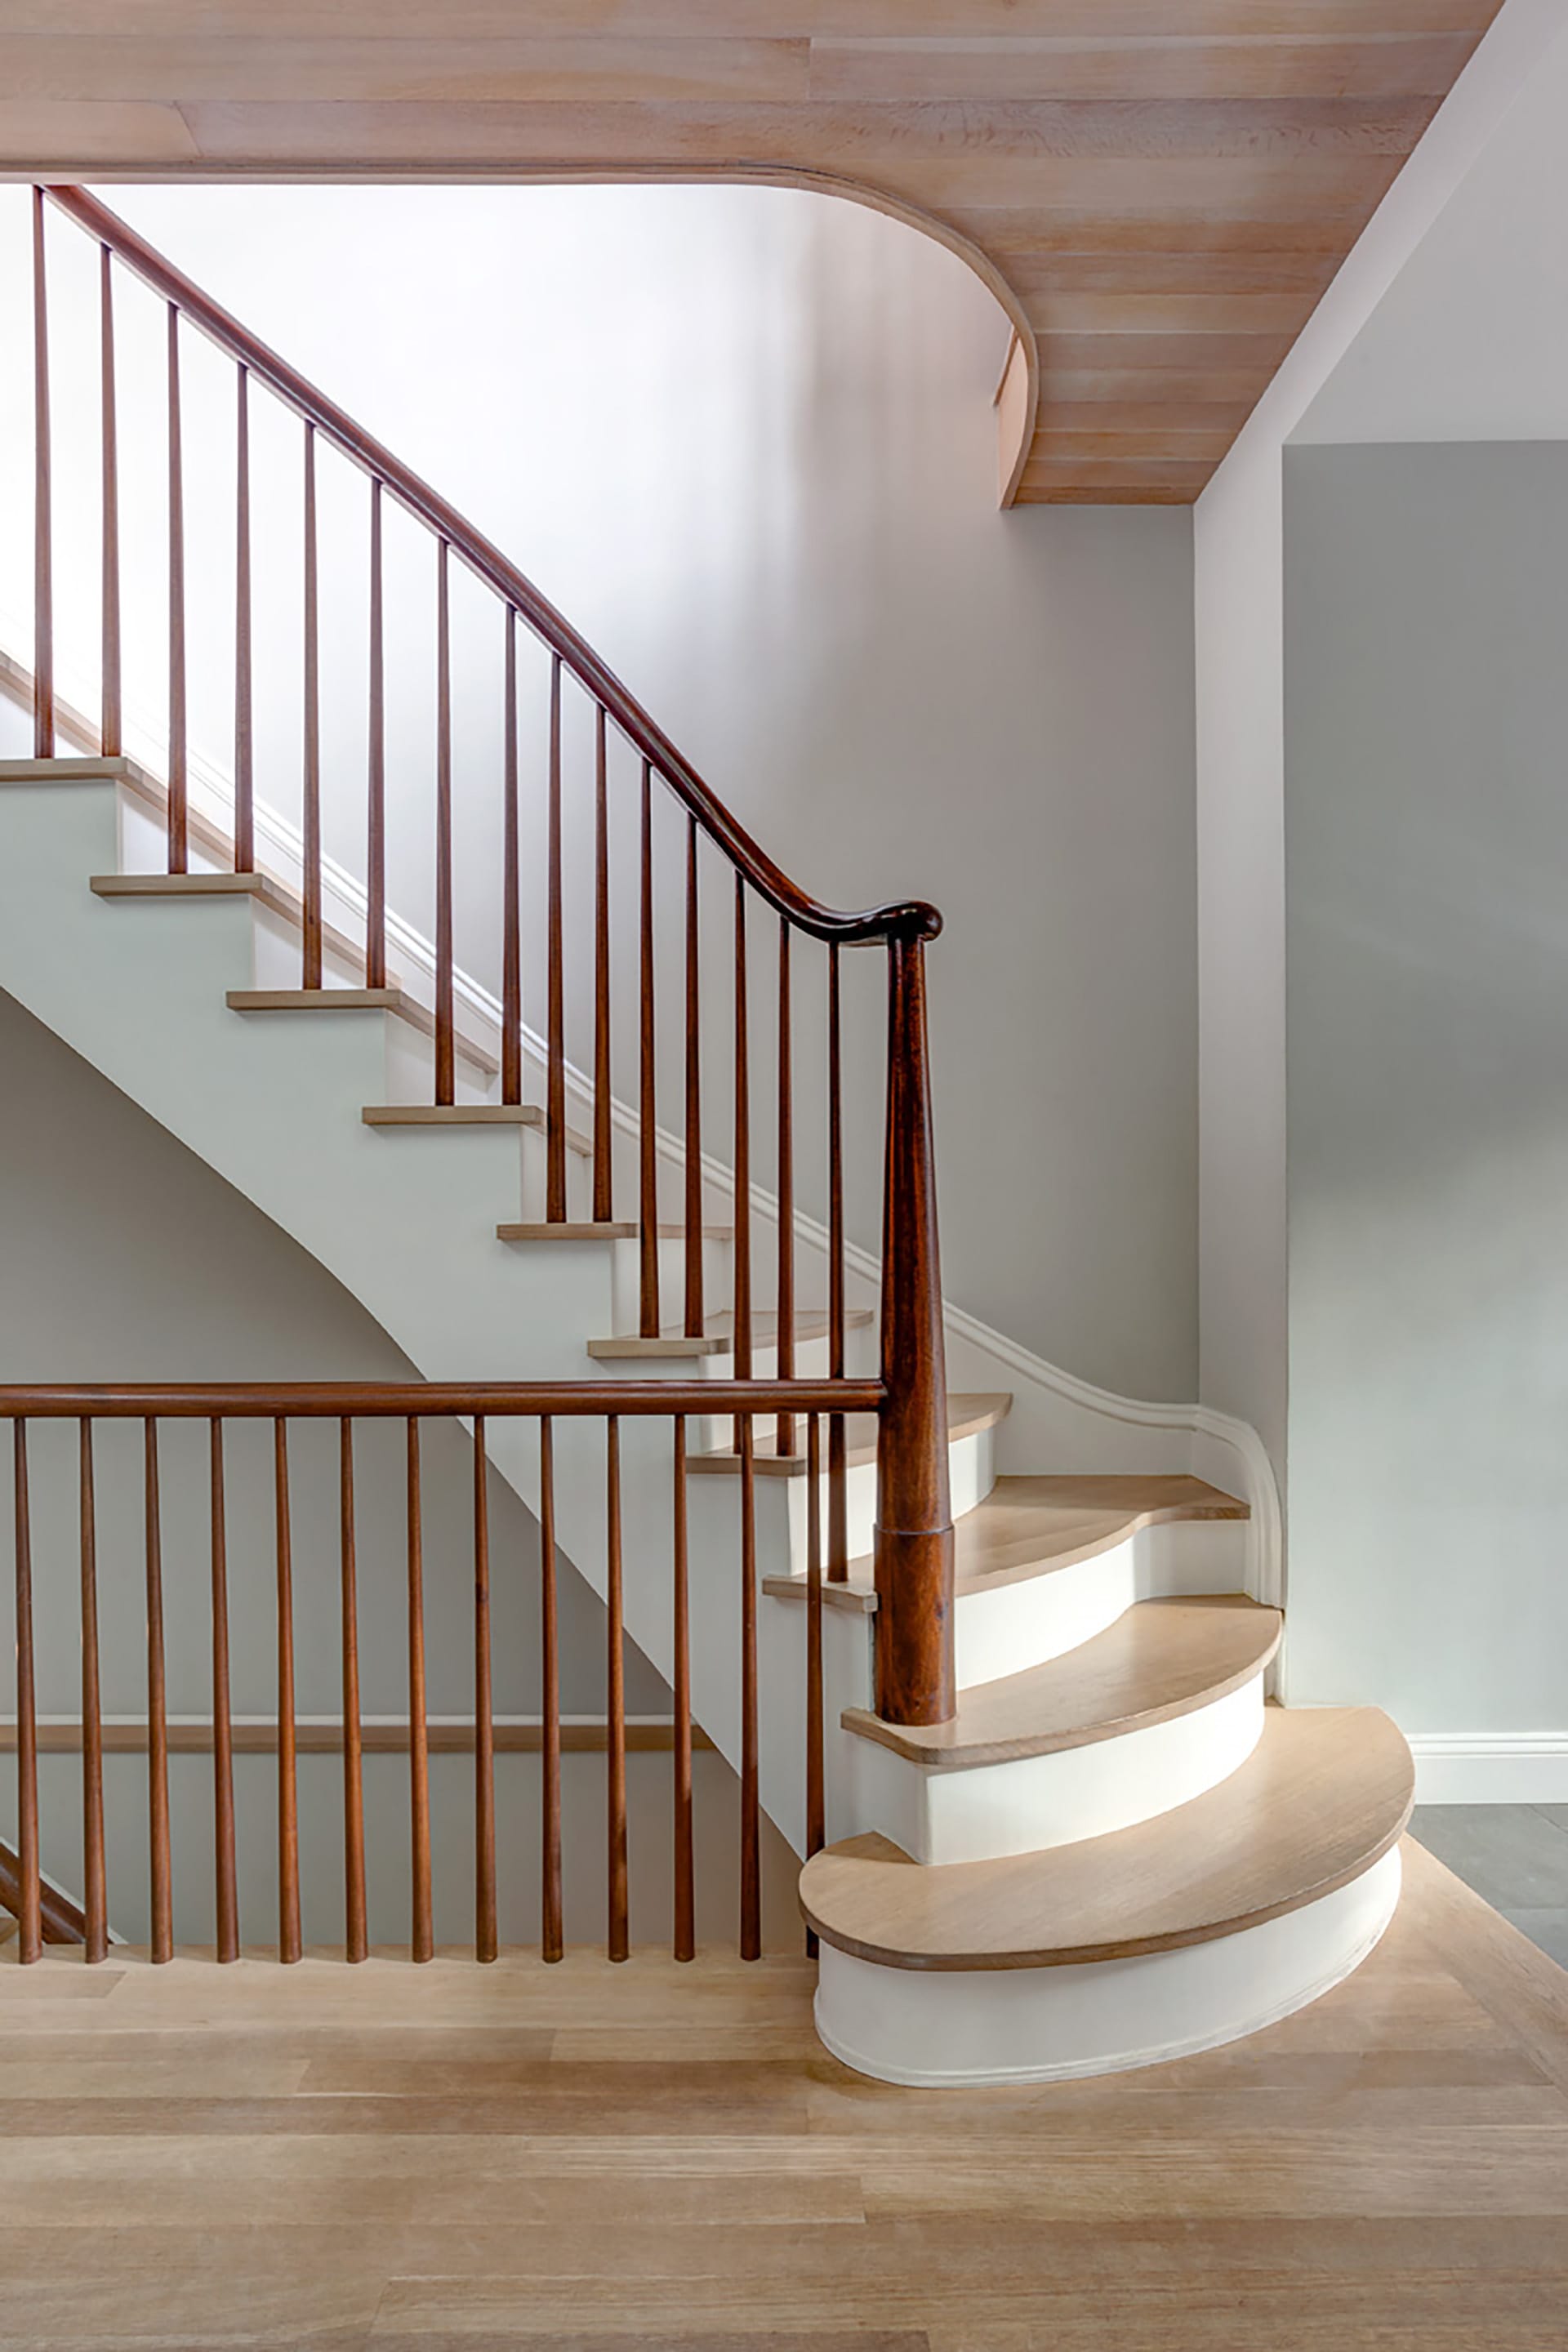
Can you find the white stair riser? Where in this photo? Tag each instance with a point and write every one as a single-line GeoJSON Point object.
{"type": "Point", "coordinates": [782, 1502]}
{"type": "Point", "coordinates": [1030, 1802]}
{"type": "Point", "coordinates": [1011, 1627]}
{"type": "Point", "coordinates": [958, 2028]}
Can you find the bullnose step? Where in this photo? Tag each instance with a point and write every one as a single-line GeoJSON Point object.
{"type": "Point", "coordinates": [1324, 1795]}
{"type": "Point", "coordinates": [1162, 1659]}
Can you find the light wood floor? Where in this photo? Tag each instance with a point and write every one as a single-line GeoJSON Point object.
{"type": "Point", "coordinates": [594, 2157]}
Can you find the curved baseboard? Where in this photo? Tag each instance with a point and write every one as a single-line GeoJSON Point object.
{"type": "Point", "coordinates": [967, 2028]}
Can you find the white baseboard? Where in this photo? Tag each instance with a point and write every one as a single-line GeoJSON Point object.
{"type": "Point", "coordinates": [1491, 1768]}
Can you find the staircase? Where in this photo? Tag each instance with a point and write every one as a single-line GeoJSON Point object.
{"type": "Point", "coordinates": [1012, 1715]}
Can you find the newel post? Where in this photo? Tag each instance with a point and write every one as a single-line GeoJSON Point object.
{"type": "Point", "coordinates": [913, 1541]}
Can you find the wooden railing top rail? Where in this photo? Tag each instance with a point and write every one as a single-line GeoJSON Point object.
{"type": "Point", "coordinates": [61, 1921]}
{"type": "Point", "coordinates": [911, 918]}
{"type": "Point", "coordinates": [425, 1399]}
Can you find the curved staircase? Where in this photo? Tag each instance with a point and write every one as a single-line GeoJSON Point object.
{"type": "Point", "coordinates": [1107, 1847]}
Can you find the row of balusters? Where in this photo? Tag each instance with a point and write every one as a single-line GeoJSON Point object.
{"type": "Point", "coordinates": [422, 1944]}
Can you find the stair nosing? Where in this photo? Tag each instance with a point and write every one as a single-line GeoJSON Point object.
{"type": "Point", "coordinates": [993, 1407]}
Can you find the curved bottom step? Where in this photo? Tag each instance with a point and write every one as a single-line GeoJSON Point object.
{"type": "Point", "coordinates": [954, 2028]}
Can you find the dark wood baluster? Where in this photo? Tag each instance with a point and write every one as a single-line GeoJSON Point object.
{"type": "Point", "coordinates": [312, 881]}
{"type": "Point", "coordinates": [43, 500]}
{"type": "Point", "coordinates": [375, 820]}
{"type": "Point", "coordinates": [647, 1100]}
{"type": "Point", "coordinates": [179, 814]}
{"type": "Point", "coordinates": [226, 1878]}
{"type": "Point", "coordinates": [444, 1073]}
{"type": "Point", "coordinates": [685, 1891]}
{"type": "Point", "coordinates": [616, 1692]}
{"type": "Point", "coordinates": [31, 1916]}
{"type": "Point", "coordinates": [424, 1936]}
{"type": "Point", "coordinates": [95, 1877]}
{"type": "Point", "coordinates": [838, 1447]}
{"type": "Point", "coordinates": [603, 1186]}
{"type": "Point", "coordinates": [512, 882]}
{"type": "Point", "coordinates": [556, 1096]}
{"type": "Point", "coordinates": [356, 1936]}
{"type": "Point", "coordinates": [551, 1944]}
{"type": "Point", "coordinates": [815, 1798]}
{"type": "Point", "coordinates": [244, 737]}
{"type": "Point", "coordinates": [290, 1943]}
{"type": "Point", "coordinates": [742, 1243]}
{"type": "Point", "coordinates": [751, 1815]}
{"type": "Point", "coordinates": [110, 734]}
{"type": "Point", "coordinates": [157, 1710]}
{"type": "Point", "coordinates": [694, 1306]}
{"type": "Point", "coordinates": [785, 1295]}
{"type": "Point", "coordinates": [487, 1942]}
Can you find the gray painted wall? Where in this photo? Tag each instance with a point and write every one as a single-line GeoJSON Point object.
{"type": "Point", "coordinates": [1427, 860]}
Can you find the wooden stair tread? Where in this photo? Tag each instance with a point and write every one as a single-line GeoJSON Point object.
{"type": "Point", "coordinates": [563, 1231]}
{"type": "Point", "coordinates": [967, 1415]}
{"type": "Point", "coordinates": [1025, 1525]}
{"type": "Point", "coordinates": [1322, 1796]}
{"type": "Point", "coordinates": [330, 999]}
{"type": "Point", "coordinates": [1161, 1659]}
{"type": "Point", "coordinates": [394, 1115]}
{"type": "Point", "coordinates": [717, 1339]}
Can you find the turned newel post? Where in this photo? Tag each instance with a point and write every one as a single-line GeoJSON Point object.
{"type": "Point", "coordinates": [913, 1539]}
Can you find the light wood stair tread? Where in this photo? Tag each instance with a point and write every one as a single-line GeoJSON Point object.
{"type": "Point", "coordinates": [859, 1600]}
{"type": "Point", "coordinates": [394, 1115]}
{"type": "Point", "coordinates": [563, 1231]}
{"type": "Point", "coordinates": [967, 1415]}
{"type": "Point", "coordinates": [330, 999]}
{"type": "Point", "coordinates": [717, 1339]}
{"type": "Point", "coordinates": [1322, 1796]}
{"type": "Point", "coordinates": [1025, 1525]}
{"type": "Point", "coordinates": [1161, 1658]}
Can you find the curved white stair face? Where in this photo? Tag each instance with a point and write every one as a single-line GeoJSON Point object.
{"type": "Point", "coordinates": [1032, 1802]}
{"type": "Point", "coordinates": [959, 2028]}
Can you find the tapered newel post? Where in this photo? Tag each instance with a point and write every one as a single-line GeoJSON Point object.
{"type": "Point", "coordinates": [913, 1539]}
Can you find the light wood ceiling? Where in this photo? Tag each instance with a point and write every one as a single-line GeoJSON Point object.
{"type": "Point", "coordinates": [1158, 190]}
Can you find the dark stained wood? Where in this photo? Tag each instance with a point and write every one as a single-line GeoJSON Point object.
{"type": "Point", "coordinates": [751, 1809]}
{"type": "Point", "coordinates": [647, 1095]}
{"type": "Point", "coordinates": [785, 1277]}
{"type": "Point", "coordinates": [487, 1936]}
{"type": "Point", "coordinates": [815, 1798]}
{"type": "Point", "coordinates": [694, 1308]}
{"type": "Point", "coordinates": [912, 1539]}
{"type": "Point", "coordinates": [741, 1338]}
{"type": "Point", "coordinates": [837, 1469]}
{"type": "Point", "coordinates": [43, 495]}
{"type": "Point", "coordinates": [95, 1896]}
{"type": "Point", "coordinates": [440, 1399]}
{"type": "Point", "coordinates": [376, 818]}
{"type": "Point", "coordinates": [310, 880]}
{"type": "Point", "coordinates": [29, 1913]}
{"type": "Point", "coordinates": [512, 882]}
{"type": "Point", "coordinates": [552, 1935]}
{"type": "Point", "coordinates": [422, 1942]}
{"type": "Point", "coordinates": [179, 783]}
{"type": "Point", "coordinates": [685, 1875]}
{"type": "Point", "coordinates": [158, 1842]}
{"type": "Point", "coordinates": [603, 1101]}
{"type": "Point", "coordinates": [555, 1079]}
{"type": "Point", "coordinates": [290, 1941]}
{"type": "Point", "coordinates": [445, 1050]}
{"type": "Point", "coordinates": [111, 728]}
{"type": "Point", "coordinates": [225, 1869]}
{"type": "Point", "coordinates": [357, 1940]}
{"type": "Point", "coordinates": [619, 1941]}
{"type": "Point", "coordinates": [61, 1921]}
{"type": "Point", "coordinates": [244, 726]}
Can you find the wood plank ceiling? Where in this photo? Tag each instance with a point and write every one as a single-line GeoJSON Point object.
{"type": "Point", "coordinates": [1158, 190]}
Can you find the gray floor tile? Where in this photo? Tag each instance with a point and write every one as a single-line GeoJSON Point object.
{"type": "Point", "coordinates": [1514, 1855]}
{"type": "Point", "coordinates": [1547, 1929]}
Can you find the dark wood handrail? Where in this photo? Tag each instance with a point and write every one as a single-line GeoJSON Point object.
{"type": "Point", "coordinates": [59, 1919]}
{"type": "Point", "coordinates": [428, 1400]}
{"type": "Point", "coordinates": [907, 919]}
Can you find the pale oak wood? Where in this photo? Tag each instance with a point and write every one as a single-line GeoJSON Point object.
{"type": "Point", "coordinates": [719, 1338]}
{"type": "Point", "coordinates": [968, 1414]}
{"type": "Point", "coordinates": [603, 1232]}
{"type": "Point", "coordinates": [470, 1114]}
{"type": "Point", "coordinates": [329, 999]}
{"type": "Point", "coordinates": [1161, 1659]}
{"type": "Point", "coordinates": [1325, 1792]}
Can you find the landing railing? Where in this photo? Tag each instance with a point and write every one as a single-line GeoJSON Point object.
{"type": "Point", "coordinates": [298, 1551]}
{"type": "Point", "coordinates": [913, 1534]}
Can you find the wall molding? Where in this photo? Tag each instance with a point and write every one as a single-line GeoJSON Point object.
{"type": "Point", "coordinates": [1491, 1768]}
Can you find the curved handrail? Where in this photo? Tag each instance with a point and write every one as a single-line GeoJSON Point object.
{"type": "Point", "coordinates": [907, 919]}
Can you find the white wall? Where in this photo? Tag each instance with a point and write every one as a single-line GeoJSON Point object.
{"type": "Point", "coordinates": [743, 437]}
{"type": "Point", "coordinates": [1239, 555]}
